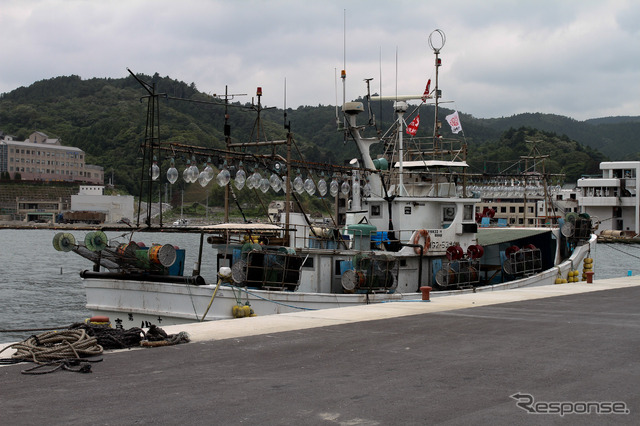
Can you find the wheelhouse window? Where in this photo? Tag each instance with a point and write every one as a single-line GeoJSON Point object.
{"type": "Point", "coordinates": [468, 212]}
{"type": "Point", "coordinates": [448, 213]}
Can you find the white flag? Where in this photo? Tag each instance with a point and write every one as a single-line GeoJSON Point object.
{"type": "Point", "coordinates": [454, 122]}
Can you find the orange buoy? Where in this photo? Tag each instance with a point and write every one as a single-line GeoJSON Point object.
{"type": "Point", "coordinates": [98, 320]}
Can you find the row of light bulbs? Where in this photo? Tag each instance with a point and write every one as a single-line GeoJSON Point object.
{"type": "Point", "coordinates": [510, 191]}
{"type": "Point", "coordinates": [255, 180]}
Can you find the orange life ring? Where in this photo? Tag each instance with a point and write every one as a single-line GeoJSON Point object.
{"type": "Point", "coordinates": [422, 233]}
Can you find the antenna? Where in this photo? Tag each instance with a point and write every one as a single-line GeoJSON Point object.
{"type": "Point", "coordinates": [335, 80]}
{"type": "Point", "coordinates": [372, 117]}
{"type": "Point", "coordinates": [344, 39]}
{"type": "Point", "coordinates": [436, 45]}
{"type": "Point", "coordinates": [380, 66]}
{"type": "Point", "coordinates": [343, 74]}
{"type": "Point", "coordinates": [396, 73]}
{"type": "Point", "coordinates": [287, 124]}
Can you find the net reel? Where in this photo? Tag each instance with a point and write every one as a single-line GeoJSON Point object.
{"type": "Point", "coordinates": [370, 274]}
{"type": "Point", "coordinates": [64, 241]}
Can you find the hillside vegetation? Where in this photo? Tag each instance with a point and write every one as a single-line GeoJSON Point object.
{"type": "Point", "coordinates": [106, 118]}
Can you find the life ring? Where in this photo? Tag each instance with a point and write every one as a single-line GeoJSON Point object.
{"type": "Point", "coordinates": [422, 233]}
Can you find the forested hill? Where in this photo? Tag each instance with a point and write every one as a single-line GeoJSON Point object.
{"type": "Point", "coordinates": [616, 137]}
{"type": "Point", "coordinates": [106, 118]}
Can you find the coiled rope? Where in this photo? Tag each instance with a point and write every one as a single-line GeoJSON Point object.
{"type": "Point", "coordinates": [112, 338]}
{"type": "Point", "coordinates": [68, 349]}
{"type": "Point", "coordinates": [52, 345]}
{"type": "Point", "coordinates": [158, 337]}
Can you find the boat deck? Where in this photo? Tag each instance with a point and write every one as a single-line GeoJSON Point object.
{"type": "Point", "coordinates": [455, 360]}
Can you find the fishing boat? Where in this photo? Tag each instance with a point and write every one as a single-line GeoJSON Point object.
{"type": "Point", "coordinates": [403, 227]}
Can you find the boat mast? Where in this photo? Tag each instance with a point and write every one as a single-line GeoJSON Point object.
{"type": "Point", "coordinates": [227, 141]}
{"type": "Point", "coordinates": [149, 147]}
{"type": "Point", "coordinates": [400, 108]}
{"type": "Point", "coordinates": [535, 155]}
{"type": "Point", "coordinates": [436, 45]}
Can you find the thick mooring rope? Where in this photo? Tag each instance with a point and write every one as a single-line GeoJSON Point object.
{"type": "Point", "coordinates": [158, 337]}
{"type": "Point", "coordinates": [69, 349]}
{"type": "Point", "coordinates": [112, 338]}
{"type": "Point", "coordinates": [52, 345]}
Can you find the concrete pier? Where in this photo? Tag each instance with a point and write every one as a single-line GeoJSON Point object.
{"type": "Point", "coordinates": [504, 357]}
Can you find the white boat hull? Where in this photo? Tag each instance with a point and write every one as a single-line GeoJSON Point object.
{"type": "Point", "coordinates": [131, 303]}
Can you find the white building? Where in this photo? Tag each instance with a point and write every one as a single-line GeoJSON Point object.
{"type": "Point", "coordinates": [91, 198]}
{"type": "Point", "coordinates": [613, 198]}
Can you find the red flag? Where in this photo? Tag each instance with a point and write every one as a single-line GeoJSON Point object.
{"type": "Point", "coordinates": [425, 95]}
{"type": "Point", "coordinates": [412, 128]}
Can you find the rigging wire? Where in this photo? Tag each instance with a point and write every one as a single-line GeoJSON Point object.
{"type": "Point", "coordinates": [624, 252]}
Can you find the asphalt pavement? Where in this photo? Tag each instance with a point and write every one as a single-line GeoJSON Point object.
{"type": "Point", "coordinates": [559, 354]}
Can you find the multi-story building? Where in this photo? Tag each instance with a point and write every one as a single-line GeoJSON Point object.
{"type": "Point", "coordinates": [45, 159]}
{"type": "Point", "coordinates": [613, 198]}
{"type": "Point", "coordinates": [528, 206]}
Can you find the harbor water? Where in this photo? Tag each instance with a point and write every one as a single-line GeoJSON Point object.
{"type": "Point", "coordinates": [41, 287]}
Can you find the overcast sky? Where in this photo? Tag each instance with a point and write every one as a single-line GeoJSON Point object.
{"type": "Point", "coordinates": [579, 58]}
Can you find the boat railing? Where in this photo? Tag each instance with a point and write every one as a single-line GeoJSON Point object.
{"type": "Point", "coordinates": [350, 237]}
